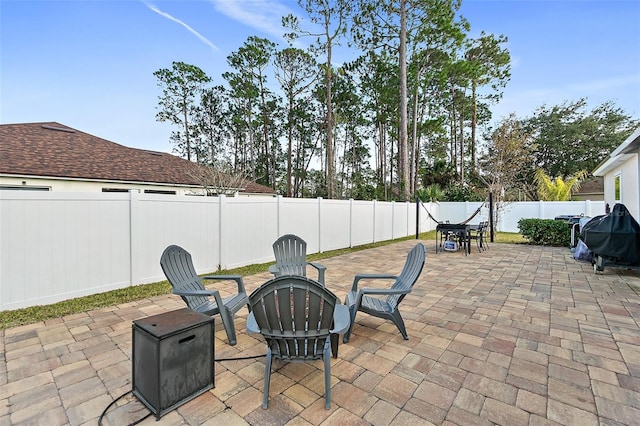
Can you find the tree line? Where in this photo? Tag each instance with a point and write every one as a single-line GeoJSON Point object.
{"type": "Point", "coordinates": [410, 111]}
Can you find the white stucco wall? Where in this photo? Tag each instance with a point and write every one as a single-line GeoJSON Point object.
{"type": "Point", "coordinates": [629, 171]}
{"type": "Point", "coordinates": [624, 161]}
{"type": "Point", "coordinates": [630, 185]}
{"type": "Point", "coordinates": [67, 185]}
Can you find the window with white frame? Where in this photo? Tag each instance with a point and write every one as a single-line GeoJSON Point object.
{"type": "Point", "coordinates": [25, 188]}
{"type": "Point", "coordinates": [617, 188]}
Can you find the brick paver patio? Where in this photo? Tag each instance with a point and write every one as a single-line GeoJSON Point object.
{"type": "Point", "coordinates": [516, 335]}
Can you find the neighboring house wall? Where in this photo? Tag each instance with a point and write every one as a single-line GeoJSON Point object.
{"type": "Point", "coordinates": [591, 189]}
{"type": "Point", "coordinates": [66, 185]}
{"type": "Point", "coordinates": [623, 164]}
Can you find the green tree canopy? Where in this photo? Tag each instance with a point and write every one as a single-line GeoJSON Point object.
{"type": "Point", "coordinates": [181, 87]}
{"type": "Point", "coordinates": [569, 139]}
{"type": "Point", "coordinates": [401, 116]}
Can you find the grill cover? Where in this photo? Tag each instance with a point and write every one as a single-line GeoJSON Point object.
{"type": "Point", "coordinates": [615, 236]}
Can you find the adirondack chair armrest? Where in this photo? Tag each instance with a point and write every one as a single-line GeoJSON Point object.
{"type": "Point", "coordinates": [384, 291]}
{"type": "Point", "coordinates": [378, 292]}
{"type": "Point", "coordinates": [236, 278]}
{"type": "Point", "coordinates": [184, 292]}
{"type": "Point", "coordinates": [320, 268]}
{"type": "Point", "coordinates": [252, 325]}
{"type": "Point", "coordinates": [341, 319]}
{"type": "Point", "coordinates": [359, 277]}
{"type": "Point", "coordinates": [273, 269]}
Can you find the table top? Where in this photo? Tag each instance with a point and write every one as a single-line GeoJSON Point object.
{"type": "Point", "coordinates": [169, 323]}
{"type": "Point", "coordinates": [452, 226]}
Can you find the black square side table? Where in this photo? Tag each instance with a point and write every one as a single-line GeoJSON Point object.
{"type": "Point", "coordinates": [173, 359]}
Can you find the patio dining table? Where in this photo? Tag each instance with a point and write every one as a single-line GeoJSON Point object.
{"type": "Point", "coordinates": [444, 229]}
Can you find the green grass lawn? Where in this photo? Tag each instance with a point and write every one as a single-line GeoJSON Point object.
{"type": "Point", "coordinates": [499, 237]}
{"type": "Point", "coordinates": [129, 294]}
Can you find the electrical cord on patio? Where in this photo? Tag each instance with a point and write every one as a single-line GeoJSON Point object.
{"type": "Point", "coordinates": [240, 358]}
{"type": "Point", "coordinates": [150, 413]}
{"type": "Point", "coordinates": [113, 402]}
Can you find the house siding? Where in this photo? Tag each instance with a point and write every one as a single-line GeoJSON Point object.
{"type": "Point", "coordinates": [66, 185]}
{"type": "Point", "coordinates": [630, 194]}
{"type": "Point", "coordinates": [623, 161]}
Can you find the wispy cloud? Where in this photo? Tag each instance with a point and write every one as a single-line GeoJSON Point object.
{"type": "Point", "coordinates": [263, 15]}
{"type": "Point", "coordinates": [178, 21]}
{"type": "Point", "coordinates": [631, 81]}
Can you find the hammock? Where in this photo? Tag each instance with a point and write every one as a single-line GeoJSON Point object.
{"type": "Point", "coordinates": [464, 222]}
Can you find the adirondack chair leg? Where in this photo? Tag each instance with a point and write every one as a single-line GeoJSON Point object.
{"type": "Point", "coordinates": [399, 322]}
{"type": "Point", "coordinates": [267, 380]}
{"type": "Point", "coordinates": [353, 309]}
{"type": "Point", "coordinates": [334, 344]}
{"type": "Point", "coordinates": [327, 379]}
{"type": "Point", "coordinates": [347, 335]}
{"type": "Point", "coordinates": [229, 327]}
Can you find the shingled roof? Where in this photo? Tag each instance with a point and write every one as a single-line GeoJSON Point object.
{"type": "Point", "coordinates": [55, 150]}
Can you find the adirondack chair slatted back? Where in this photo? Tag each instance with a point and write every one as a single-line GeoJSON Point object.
{"type": "Point", "coordinates": [409, 275]}
{"type": "Point", "coordinates": [295, 315]}
{"type": "Point", "coordinates": [178, 268]}
{"type": "Point", "coordinates": [291, 255]}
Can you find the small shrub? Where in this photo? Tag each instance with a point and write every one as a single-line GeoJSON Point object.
{"type": "Point", "coordinates": [547, 232]}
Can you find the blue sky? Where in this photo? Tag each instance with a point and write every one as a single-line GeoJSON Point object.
{"type": "Point", "coordinates": [89, 64]}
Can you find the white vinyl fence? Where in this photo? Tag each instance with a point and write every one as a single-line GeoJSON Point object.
{"type": "Point", "coordinates": [60, 245]}
{"type": "Point", "coordinates": [509, 213]}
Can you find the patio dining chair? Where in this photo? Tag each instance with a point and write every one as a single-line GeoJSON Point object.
{"type": "Point", "coordinates": [177, 266]}
{"type": "Point", "coordinates": [296, 316]}
{"type": "Point", "coordinates": [478, 234]}
{"type": "Point", "coordinates": [371, 301]}
{"type": "Point", "coordinates": [290, 252]}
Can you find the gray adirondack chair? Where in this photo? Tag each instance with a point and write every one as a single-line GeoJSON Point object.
{"type": "Point", "coordinates": [291, 258]}
{"type": "Point", "coordinates": [178, 267]}
{"type": "Point", "coordinates": [368, 300]}
{"type": "Point", "coordinates": [296, 317]}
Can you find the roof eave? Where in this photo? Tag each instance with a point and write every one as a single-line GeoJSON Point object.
{"type": "Point", "coordinates": [611, 163]}
{"type": "Point", "coordinates": [75, 179]}
{"type": "Point", "coordinates": [621, 154]}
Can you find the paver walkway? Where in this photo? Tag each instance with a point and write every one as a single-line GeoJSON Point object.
{"type": "Point", "coordinates": [516, 335]}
